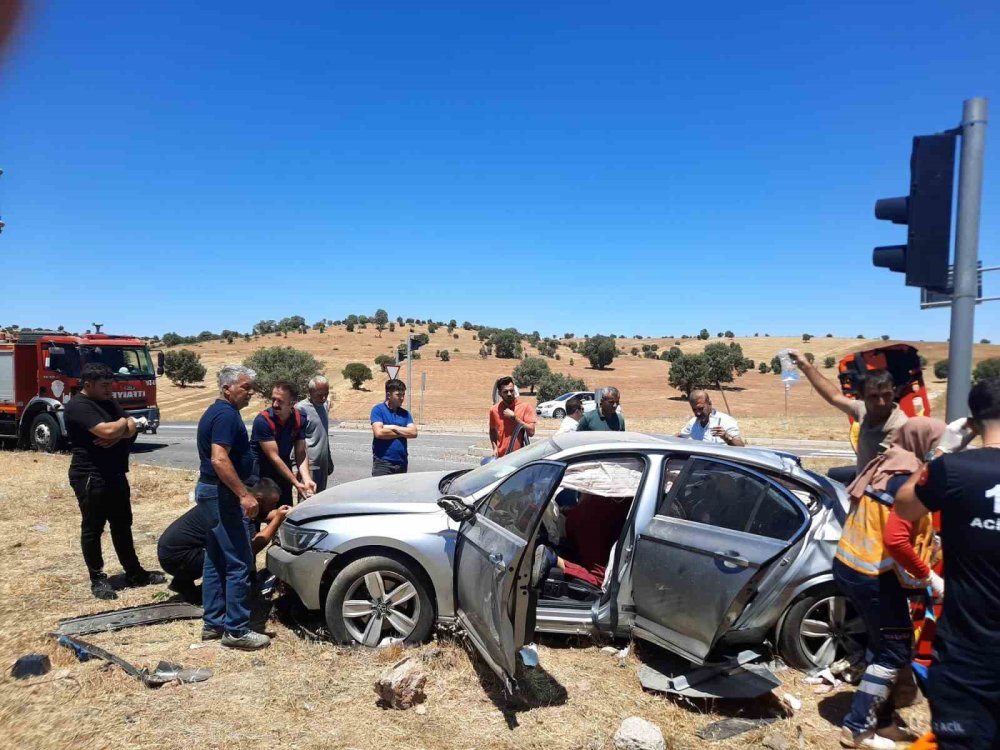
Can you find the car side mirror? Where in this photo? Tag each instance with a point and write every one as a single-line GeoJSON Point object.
{"type": "Point", "coordinates": [456, 508]}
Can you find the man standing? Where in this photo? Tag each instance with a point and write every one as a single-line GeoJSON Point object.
{"type": "Point", "coordinates": [226, 463]}
{"type": "Point", "coordinates": [101, 436]}
{"type": "Point", "coordinates": [879, 415]}
{"type": "Point", "coordinates": [605, 418]}
{"type": "Point", "coordinates": [509, 416]}
{"type": "Point", "coordinates": [709, 424]}
{"type": "Point", "coordinates": [181, 548]}
{"type": "Point", "coordinates": [392, 426]}
{"type": "Point", "coordinates": [276, 433]}
{"type": "Point", "coordinates": [317, 431]}
{"type": "Point", "coordinates": [964, 686]}
{"type": "Point", "coordinates": [574, 413]}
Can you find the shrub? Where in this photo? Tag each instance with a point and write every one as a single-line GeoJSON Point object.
{"type": "Point", "coordinates": [555, 384]}
{"type": "Point", "coordinates": [183, 367]}
{"type": "Point", "coordinates": [810, 357]}
{"type": "Point", "coordinates": [600, 350]}
{"type": "Point", "coordinates": [775, 365]}
{"type": "Point", "coordinates": [673, 354]}
{"type": "Point", "coordinates": [350, 327]}
{"type": "Point", "coordinates": [763, 368]}
{"type": "Point", "coordinates": [984, 341]}
{"type": "Point", "coordinates": [445, 357]}
{"type": "Point", "coordinates": [730, 335]}
{"type": "Point", "coordinates": [357, 373]}
{"type": "Point", "coordinates": [829, 362]}
{"type": "Point", "coordinates": [806, 336]}
{"type": "Point", "coordinates": [530, 372]}
{"type": "Point", "coordinates": [635, 351]}
{"type": "Point", "coordinates": [276, 363]}
{"type": "Point", "coordinates": [385, 359]}
{"type": "Point", "coordinates": [941, 369]}
{"type": "Point", "coordinates": [884, 337]}
{"type": "Point", "coordinates": [988, 368]}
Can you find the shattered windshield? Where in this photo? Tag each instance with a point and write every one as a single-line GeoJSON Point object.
{"type": "Point", "coordinates": [130, 361]}
{"type": "Point", "coordinates": [475, 480]}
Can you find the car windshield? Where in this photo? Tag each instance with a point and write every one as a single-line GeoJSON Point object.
{"type": "Point", "coordinates": [124, 361]}
{"type": "Point", "coordinates": [563, 397]}
{"type": "Point", "coordinates": [484, 476]}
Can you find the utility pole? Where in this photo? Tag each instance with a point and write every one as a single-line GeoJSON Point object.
{"type": "Point", "coordinates": [966, 283]}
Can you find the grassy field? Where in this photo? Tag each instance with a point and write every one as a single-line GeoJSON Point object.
{"type": "Point", "coordinates": [297, 694]}
{"type": "Point", "coordinates": [458, 392]}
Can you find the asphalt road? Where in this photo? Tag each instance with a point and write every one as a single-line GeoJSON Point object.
{"type": "Point", "coordinates": [174, 446]}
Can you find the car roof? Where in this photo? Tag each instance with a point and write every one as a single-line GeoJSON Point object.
{"type": "Point", "coordinates": [577, 442]}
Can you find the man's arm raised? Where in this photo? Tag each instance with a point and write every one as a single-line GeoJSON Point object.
{"type": "Point", "coordinates": [824, 386]}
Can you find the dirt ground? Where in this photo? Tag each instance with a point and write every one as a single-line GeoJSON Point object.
{"type": "Point", "coordinates": [458, 392]}
{"type": "Point", "coordinates": [298, 694]}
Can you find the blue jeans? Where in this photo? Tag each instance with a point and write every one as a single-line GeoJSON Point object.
{"type": "Point", "coordinates": [229, 561]}
{"type": "Point", "coordinates": [883, 606]}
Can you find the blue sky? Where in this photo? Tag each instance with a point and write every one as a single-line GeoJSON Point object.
{"type": "Point", "coordinates": [585, 167]}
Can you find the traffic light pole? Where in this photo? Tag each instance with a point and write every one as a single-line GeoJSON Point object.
{"type": "Point", "coordinates": [409, 375]}
{"type": "Point", "coordinates": [966, 280]}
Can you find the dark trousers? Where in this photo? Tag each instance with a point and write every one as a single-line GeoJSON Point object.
{"type": "Point", "coordinates": [381, 467]}
{"type": "Point", "coordinates": [963, 688]}
{"type": "Point", "coordinates": [105, 501]}
{"type": "Point", "coordinates": [229, 561]}
{"type": "Point", "coordinates": [883, 606]}
{"type": "Point", "coordinates": [185, 568]}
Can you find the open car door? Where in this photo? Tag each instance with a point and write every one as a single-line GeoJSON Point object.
{"type": "Point", "coordinates": [717, 529]}
{"type": "Point", "coordinates": [493, 557]}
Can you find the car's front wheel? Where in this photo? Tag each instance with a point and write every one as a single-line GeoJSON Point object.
{"type": "Point", "coordinates": [377, 598]}
{"type": "Point", "coordinates": [819, 629]}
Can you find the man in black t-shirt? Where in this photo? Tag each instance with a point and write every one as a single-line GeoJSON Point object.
{"type": "Point", "coordinates": [181, 548]}
{"type": "Point", "coordinates": [101, 437]}
{"type": "Point", "coordinates": [964, 682]}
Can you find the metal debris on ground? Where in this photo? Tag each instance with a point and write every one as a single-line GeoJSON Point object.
{"type": "Point", "coordinates": [164, 672]}
{"type": "Point", "coordinates": [735, 677]}
{"type": "Point", "coordinates": [30, 665]}
{"type": "Point", "coordinates": [129, 617]}
{"type": "Point", "coordinates": [726, 728]}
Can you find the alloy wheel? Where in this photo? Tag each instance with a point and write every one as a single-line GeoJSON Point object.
{"type": "Point", "coordinates": [381, 604]}
{"type": "Point", "coordinates": [832, 629]}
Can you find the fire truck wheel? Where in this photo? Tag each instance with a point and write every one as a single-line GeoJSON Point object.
{"type": "Point", "coordinates": [45, 433]}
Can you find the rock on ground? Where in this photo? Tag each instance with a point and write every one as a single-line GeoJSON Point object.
{"type": "Point", "coordinates": [401, 685]}
{"type": "Point", "coordinates": [638, 734]}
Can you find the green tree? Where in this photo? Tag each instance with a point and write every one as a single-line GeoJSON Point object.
{"type": "Point", "coordinates": [286, 363]}
{"type": "Point", "coordinates": [829, 362]}
{"type": "Point", "coordinates": [673, 353]}
{"type": "Point", "coordinates": [172, 339]}
{"type": "Point", "coordinates": [763, 368]}
{"type": "Point", "coordinates": [183, 366]}
{"type": "Point", "coordinates": [724, 362]}
{"type": "Point", "coordinates": [941, 369]}
{"type": "Point", "coordinates": [988, 368]}
{"type": "Point", "coordinates": [349, 327]}
{"type": "Point", "coordinates": [689, 372]}
{"type": "Point", "coordinates": [984, 341]}
{"type": "Point", "coordinates": [555, 384]}
{"type": "Point", "coordinates": [291, 323]}
{"type": "Point", "coordinates": [357, 373]}
{"type": "Point", "coordinates": [384, 359]}
{"type": "Point", "coordinates": [506, 344]}
{"type": "Point", "coordinates": [730, 335]}
{"type": "Point", "coordinates": [530, 372]}
{"type": "Point", "coordinates": [775, 365]}
{"type": "Point", "coordinates": [600, 350]}
{"type": "Point", "coordinates": [806, 336]}
{"type": "Point", "coordinates": [703, 334]}
{"type": "Point", "coordinates": [381, 321]}
{"type": "Point", "coordinates": [445, 356]}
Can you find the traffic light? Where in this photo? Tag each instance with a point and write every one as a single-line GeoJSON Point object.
{"type": "Point", "coordinates": [926, 211]}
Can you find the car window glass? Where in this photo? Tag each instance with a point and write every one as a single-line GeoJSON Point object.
{"type": "Point", "coordinates": [776, 516]}
{"type": "Point", "coordinates": [717, 495]}
{"type": "Point", "coordinates": [479, 478]}
{"type": "Point", "coordinates": [671, 472]}
{"type": "Point", "coordinates": [516, 503]}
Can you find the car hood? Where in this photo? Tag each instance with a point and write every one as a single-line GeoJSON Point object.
{"type": "Point", "coordinates": [399, 493]}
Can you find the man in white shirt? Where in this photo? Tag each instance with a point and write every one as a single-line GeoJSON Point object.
{"type": "Point", "coordinates": [708, 424]}
{"type": "Point", "coordinates": [574, 411]}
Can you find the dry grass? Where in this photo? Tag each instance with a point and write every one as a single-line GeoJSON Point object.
{"type": "Point", "coordinates": [297, 694]}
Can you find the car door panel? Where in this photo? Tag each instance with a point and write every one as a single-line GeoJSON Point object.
{"type": "Point", "coordinates": [493, 564]}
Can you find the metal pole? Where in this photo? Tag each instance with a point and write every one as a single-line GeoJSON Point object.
{"type": "Point", "coordinates": [787, 388]}
{"type": "Point", "coordinates": [409, 376]}
{"type": "Point", "coordinates": [963, 300]}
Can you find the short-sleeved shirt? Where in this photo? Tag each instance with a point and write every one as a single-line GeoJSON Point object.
{"type": "Point", "coordinates": [221, 424]}
{"type": "Point", "coordinates": [965, 487]}
{"type": "Point", "coordinates": [392, 450]}
{"type": "Point", "coordinates": [874, 440]}
{"type": "Point", "coordinates": [504, 427]}
{"type": "Point", "coordinates": [594, 421]}
{"type": "Point", "coordinates": [285, 434]}
{"type": "Point", "coordinates": [696, 431]}
{"type": "Point", "coordinates": [83, 414]}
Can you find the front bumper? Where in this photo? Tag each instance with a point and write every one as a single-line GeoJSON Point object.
{"type": "Point", "coordinates": [152, 414]}
{"type": "Point", "coordinates": [302, 572]}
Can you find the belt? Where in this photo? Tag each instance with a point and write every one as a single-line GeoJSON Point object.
{"type": "Point", "coordinates": [206, 479]}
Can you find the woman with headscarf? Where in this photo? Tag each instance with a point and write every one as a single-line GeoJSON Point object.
{"type": "Point", "coordinates": [868, 574]}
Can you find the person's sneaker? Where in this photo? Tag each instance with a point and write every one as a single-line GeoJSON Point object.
{"type": "Point", "coordinates": [869, 740]}
{"type": "Point", "coordinates": [145, 578]}
{"type": "Point", "coordinates": [102, 589]}
{"type": "Point", "coordinates": [211, 634]}
{"type": "Point", "coordinates": [249, 641]}
{"type": "Point", "coordinates": [542, 564]}
{"type": "Point", "coordinates": [897, 732]}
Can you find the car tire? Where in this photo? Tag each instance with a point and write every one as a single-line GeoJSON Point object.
{"type": "Point", "coordinates": [559, 414]}
{"type": "Point", "coordinates": [820, 628]}
{"type": "Point", "coordinates": [44, 435]}
{"type": "Point", "coordinates": [354, 583]}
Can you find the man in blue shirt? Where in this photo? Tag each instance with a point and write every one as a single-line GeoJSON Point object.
{"type": "Point", "coordinates": [276, 432]}
{"type": "Point", "coordinates": [392, 426]}
{"type": "Point", "coordinates": [225, 464]}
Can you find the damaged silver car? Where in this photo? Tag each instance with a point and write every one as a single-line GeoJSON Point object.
{"type": "Point", "coordinates": [708, 550]}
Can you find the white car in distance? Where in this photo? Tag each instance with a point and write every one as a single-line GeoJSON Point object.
{"type": "Point", "coordinates": [556, 408]}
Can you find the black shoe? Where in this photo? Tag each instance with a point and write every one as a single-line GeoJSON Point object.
{"type": "Point", "coordinates": [145, 578]}
{"type": "Point", "coordinates": [101, 588]}
{"type": "Point", "coordinates": [211, 634]}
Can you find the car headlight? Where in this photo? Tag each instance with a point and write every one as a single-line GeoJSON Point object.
{"type": "Point", "coordinates": [296, 539]}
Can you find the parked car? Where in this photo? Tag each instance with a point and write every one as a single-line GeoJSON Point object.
{"type": "Point", "coordinates": [719, 549]}
{"type": "Point", "coordinates": [556, 408]}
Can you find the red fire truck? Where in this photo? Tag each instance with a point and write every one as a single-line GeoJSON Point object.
{"type": "Point", "coordinates": [40, 371]}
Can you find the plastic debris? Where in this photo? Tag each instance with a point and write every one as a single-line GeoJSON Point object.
{"type": "Point", "coordinates": [790, 702]}
{"type": "Point", "coordinates": [30, 665]}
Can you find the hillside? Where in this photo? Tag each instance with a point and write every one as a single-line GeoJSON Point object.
{"type": "Point", "coordinates": [458, 391]}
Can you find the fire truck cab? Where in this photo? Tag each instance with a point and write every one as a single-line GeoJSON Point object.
{"type": "Point", "coordinates": [40, 371]}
